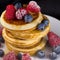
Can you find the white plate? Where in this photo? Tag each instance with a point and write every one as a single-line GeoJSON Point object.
{"type": "Point", "coordinates": [55, 27]}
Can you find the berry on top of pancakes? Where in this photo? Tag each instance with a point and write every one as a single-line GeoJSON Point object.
{"type": "Point", "coordinates": [18, 11]}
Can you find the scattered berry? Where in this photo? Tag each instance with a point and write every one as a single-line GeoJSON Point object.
{"type": "Point", "coordinates": [26, 57]}
{"type": "Point", "coordinates": [19, 56]}
{"type": "Point", "coordinates": [41, 26]}
{"type": "Point", "coordinates": [46, 22]}
{"type": "Point", "coordinates": [20, 13]}
{"type": "Point", "coordinates": [53, 39]}
{"type": "Point", "coordinates": [10, 12]}
{"type": "Point", "coordinates": [1, 53]}
{"type": "Point", "coordinates": [40, 54]}
{"type": "Point", "coordinates": [53, 55]}
{"type": "Point", "coordinates": [10, 56]}
{"type": "Point", "coordinates": [18, 5]}
{"type": "Point", "coordinates": [57, 49]}
{"type": "Point", "coordinates": [28, 18]}
{"type": "Point", "coordinates": [33, 7]}
{"type": "Point", "coordinates": [1, 39]}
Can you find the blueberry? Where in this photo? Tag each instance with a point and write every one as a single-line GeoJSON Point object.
{"type": "Point", "coordinates": [41, 54]}
{"type": "Point", "coordinates": [19, 56]}
{"type": "Point", "coordinates": [18, 5]}
{"type": "Point", "coordinates": [28, 18]}
{"type": "Point", "coordinates": [1, 40]}
{"type": "Point", "coordinates": [1, 53]}
{"type": "Point", "coordinates": [41, 26]}
{"type": "Point", "coordinates": [57, 49]}
{"type": "Point", "coordinates": [53, 55]}
{"type": "Point", "coordinates": [46, 22]}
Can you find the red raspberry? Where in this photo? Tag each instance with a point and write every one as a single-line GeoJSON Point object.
{"type": "Point", "coordinates": [33, 7]}
{"type": "Point", "coordinates": [32, 3]}
{"type": "Point", "coordinates": [26, 57]}
{"type": "Point", "coordinates": [20, 13]}
{"type": "Point", "coordinates": [53, 39]}
{"type": "Point", "coordinates": [10, 56]}
{"type": "Point", "coordinates": [10, 12]}
{"type": "Point", "coordinates": [23, 11]}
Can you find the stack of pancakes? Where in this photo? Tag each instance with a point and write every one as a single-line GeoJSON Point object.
{"type": "Point", "coordinates": [24, 37]}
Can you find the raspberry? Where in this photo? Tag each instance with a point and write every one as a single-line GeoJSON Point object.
{"type": "Point", "coordinates": [26, 56]}
{"type": "Point", "coordinates": [20, 13]}
{"type": "Point", "coordinates": [32, 3]}
{"type": "Point", "coordinates": [23, 11]}
{"type": "Point", "coordinates": [10, 12]}
{"type": "Point", "coordinates": [10, 56]}
{"type": "Point", "coordinates": [33, 7]}
{"type": "Point", "coordinates": [53, 39]}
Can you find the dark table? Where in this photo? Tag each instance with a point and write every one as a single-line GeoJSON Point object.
{"type": "Point", "coordinates": [49, 7]}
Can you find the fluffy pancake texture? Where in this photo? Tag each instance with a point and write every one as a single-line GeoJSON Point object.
{"type": "Point", "coordinates": [19, 42]}
{"type": "Point", "coordinates": [31, 34]}
{"type": "Point", "coordinates": [31, 50]}
{"type": "Point", "coordinates": [25, 41]}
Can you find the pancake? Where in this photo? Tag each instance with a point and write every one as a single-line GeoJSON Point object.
{"type": "Point", "coordinates": [19, 42]}
{"type": "Point", "coordinates": [28, 34]}
{"type": "Point", "coordinates": [18, 25]}
{"type": "Point", "coordinates": [31, 51]}
{"type": "Point", "coordinates": [36, 37]}
{"type": "Point", "coordinates": [29, 30]}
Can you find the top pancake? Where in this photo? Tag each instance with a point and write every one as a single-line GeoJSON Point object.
{"type": "Point", "coordinates": [20, 24]}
